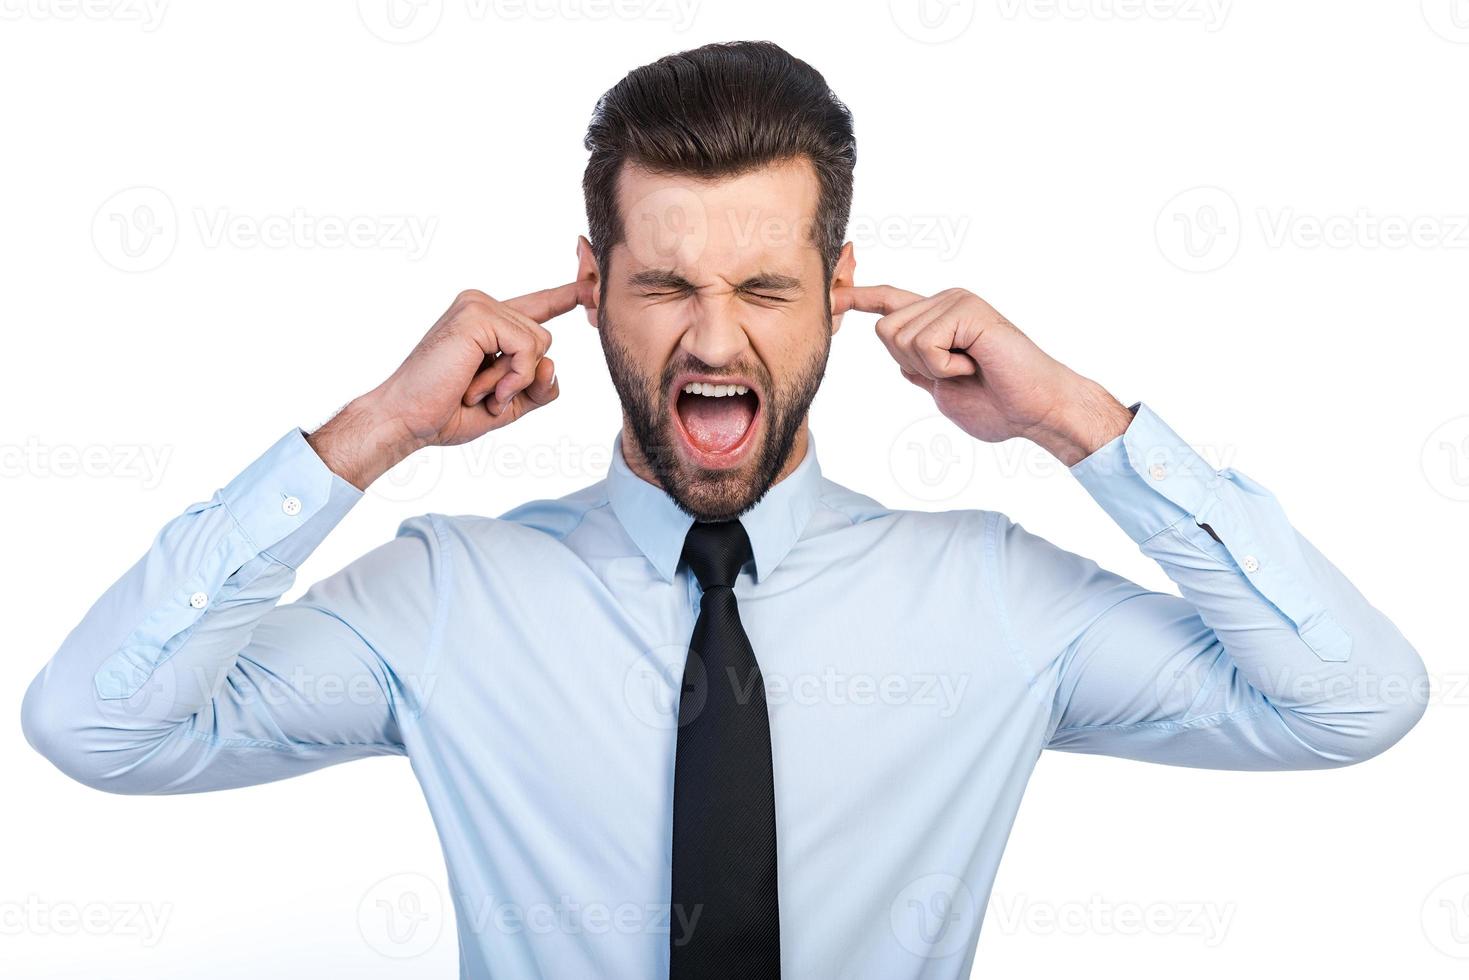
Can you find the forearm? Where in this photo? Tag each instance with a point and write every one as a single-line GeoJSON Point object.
{"type": "Point", "coordinates": [118, 701]}
{"type": "Point", "coordinates": [1291, 628]}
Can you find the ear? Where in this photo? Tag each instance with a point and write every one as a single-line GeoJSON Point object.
{"type": "Point", "coordinates": [841, 276]}
{"type": "Point", "coordinates": [586, 268]}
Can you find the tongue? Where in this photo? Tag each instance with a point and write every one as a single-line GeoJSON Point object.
{"type": "Point", "coordinates": [714, 425]}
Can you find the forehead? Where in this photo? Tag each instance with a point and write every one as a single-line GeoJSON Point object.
{"type": "Point", "coordinates": [758, 220]}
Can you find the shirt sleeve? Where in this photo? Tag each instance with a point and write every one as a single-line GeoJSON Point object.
{"type": "Point", "coordinates": [1268, 659]}
{"type": "Point", "coordinates": [188, 675]}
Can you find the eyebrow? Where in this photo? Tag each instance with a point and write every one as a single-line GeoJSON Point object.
{"type": "Point", "coordinates": [668, 279]}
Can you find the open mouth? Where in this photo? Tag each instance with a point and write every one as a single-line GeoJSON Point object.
{"type": "Point", "coordinates": [716, 419]}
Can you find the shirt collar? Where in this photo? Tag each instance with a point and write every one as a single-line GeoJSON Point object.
{"type": "Point", "coordinates": [658, 527]}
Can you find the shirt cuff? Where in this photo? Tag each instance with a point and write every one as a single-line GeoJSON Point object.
{"type": "Point", "coordinates": [288, 500]}
{"type": "Point", "coordinates": [281, 506]}
{"type": "Point", "coordinates": [1148, 479]}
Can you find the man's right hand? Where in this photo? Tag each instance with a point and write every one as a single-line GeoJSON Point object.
{"type": "Point", "coordinates": [481, 367]}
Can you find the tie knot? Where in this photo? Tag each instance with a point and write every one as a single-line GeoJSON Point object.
{"type": "Point", "coordinates": [716, 551]}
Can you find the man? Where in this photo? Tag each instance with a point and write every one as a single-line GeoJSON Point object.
{"type": "Point", "coordinates": [595, 690]}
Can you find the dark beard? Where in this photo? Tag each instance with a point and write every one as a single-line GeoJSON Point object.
{"type": "Point", "coordinates": [710, 495]}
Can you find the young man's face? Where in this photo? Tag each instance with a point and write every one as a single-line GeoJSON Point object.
{"type": "Point", "coordinates": [716, 284]}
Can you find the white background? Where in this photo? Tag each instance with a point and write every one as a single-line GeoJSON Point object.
{"type": "Point", "coordinates": [1045, 155]}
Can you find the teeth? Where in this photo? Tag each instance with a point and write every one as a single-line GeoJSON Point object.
{"type": "Point", "coordinates": [714, 391]}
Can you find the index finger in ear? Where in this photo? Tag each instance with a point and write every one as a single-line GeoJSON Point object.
{"type": "Point", "coordinates": [546, 304]}
{"type": "Point", "coordinates": [882, 300]}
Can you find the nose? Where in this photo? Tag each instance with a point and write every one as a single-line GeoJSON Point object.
{"type": "Point", "coordinates": [715, 334]}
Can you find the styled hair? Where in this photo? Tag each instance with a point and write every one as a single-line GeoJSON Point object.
{"type": "Point", "coordinates": [721, 110]}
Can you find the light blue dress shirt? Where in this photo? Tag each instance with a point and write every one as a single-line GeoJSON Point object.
{"type": "Point", "coordinates": [529, 666]}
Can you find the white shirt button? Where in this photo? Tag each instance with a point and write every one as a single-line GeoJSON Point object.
{"type": "Point", "coordinates": [1249, 564]}
{"type": "Point", "coordinates": [291, 506]}
{"type": "Point", "coordinates": [198, 600]}
{"type": "Point", "coordinates": [1158, 471]}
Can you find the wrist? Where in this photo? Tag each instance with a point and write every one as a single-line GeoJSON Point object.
{"type": "Point", "coordinates": [1085, 420]}
{"type": "Point", "coordinates": [362, 442]}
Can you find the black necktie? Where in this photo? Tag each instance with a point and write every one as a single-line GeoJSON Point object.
{"type": "Point", "coordinates": [723, 790]}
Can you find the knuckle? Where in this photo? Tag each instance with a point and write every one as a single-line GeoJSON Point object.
{"type": "Point", "coordinates": [473, 303]}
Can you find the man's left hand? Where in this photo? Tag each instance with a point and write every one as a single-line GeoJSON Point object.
{"type": "Point", "coordinates": [984, 374]}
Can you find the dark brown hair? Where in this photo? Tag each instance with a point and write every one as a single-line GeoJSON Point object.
{"type": "Point", "coordinates": [721, 110]}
